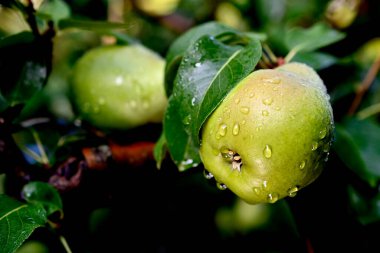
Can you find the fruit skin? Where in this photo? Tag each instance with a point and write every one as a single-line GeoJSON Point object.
{"type": "Point", "coordinates": [119, 87]}
{"type": "Point", "coordinates": [280, 122]}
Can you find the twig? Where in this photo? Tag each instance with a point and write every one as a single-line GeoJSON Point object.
{"type": "Point", "coordinates": [65, 244]}
{"type": "Point", "coordinates": [365, 85]}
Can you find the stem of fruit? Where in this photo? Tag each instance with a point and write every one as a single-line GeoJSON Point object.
{"type": "Point", "coordinates": [365, 85]}
{"type": "Point", "coordinates": [65, 244]}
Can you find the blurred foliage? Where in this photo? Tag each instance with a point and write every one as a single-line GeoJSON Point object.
{"type": "Point", "coordinates": [100, 204]}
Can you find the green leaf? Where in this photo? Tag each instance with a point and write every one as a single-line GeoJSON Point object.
{"type": "Point", "coordinates": [44, 194]}
{"type": "Point", "coordinates": [210, 68]}
{"type": "Point", "coordinates": [17, 222]}
{"type": "Point", "coordinates": [367, 208]}
{"type": "Point", "coordinates": [160, 150]}
{"type": "Point", "coordinates": [91, 25]}
{"type": "Point", "coordinates": [313, 38]}
{"type": "Point", "coordinates": [315, 60]}
{"type": "Point", "coordinates": [182, 43]}
{"type": "Point", "coordinates": [54, 10]}
{"type": "Point", "coordinates": [26, 74]}
{"type": "Point", "coordinates": [357, 144]}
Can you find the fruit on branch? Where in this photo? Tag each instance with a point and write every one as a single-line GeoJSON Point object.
{"type": "Point", "coordinates": [271, 134]}
{"type": "Point", "coordinates": [119, 87]}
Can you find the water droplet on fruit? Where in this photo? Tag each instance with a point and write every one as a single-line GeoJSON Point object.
{"type": "Point", "coordinates": [221, 186]}
{"type": "Point", "coordinates": [272, 197]}
{"type": "Point", "coordinates": [207, 174]}
{"type": "Point", "coordinates": [243, 122]}
{"type": "Point", "coordinates": [256, 190]}
{"type": "Point", "coordinates": [267, 101]}
{"type": "Point", "coordinates": [267, 151]}
{"type": "Point", "coordinates": [322, 133]}
{"type": "Point", "coordinates": [265, 184]}
{"type": "Point", "coordinates": [187, 120]}
{"type": "Point", "coordinates": [277, 108]}
{"type": "Point", "coordinates": [265, 113]}
{"type": "Point", "coordinates": [292, 191]}
{"type": "Point", "coordinates": [251, 95]}
{"type": "Point", "coordinates": [273, 80]}
{"type": "Point", "coordinates": [236, 129]}
{"type": "Point", "coordinates": [302, 165]}
{"type": "Point", "coordinates": [314, 146]}
{"type": "Point", "coordinates": [222, 130]}
{"type": "Point", "coordinates": [237, 101]}
{"type": "Point", "coordinates": [326, 147]}
{"type": "Point", "coordinates": [244, 109]}
{"type": "Point", "coordinates": [326, 156]}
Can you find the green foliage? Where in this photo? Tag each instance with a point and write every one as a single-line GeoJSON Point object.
{"type": "Point", "coordinates": [53, 163]}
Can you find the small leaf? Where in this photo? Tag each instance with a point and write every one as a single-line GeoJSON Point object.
{"type": "Point", "coordinates": [357, 144]}
{"type": "Point", "coordinates": [313, 38]}
{"type": "Point", "coordinates": [91, 25]}
{"type": "Point", "coordinates": [44, 194]}
{"type": "Point", "coordinates": [54, 10]}
{"type": "Point", "coordinates": [367, 208]}
{"type": "Point", "coordinates": [210, 68]}
{"type": "Point", "coordinates": [17, 222]}
{"type": "Point", "coordinates": [315, 60]}
{"type": "Point", "coordinates": [160, 150]}
{"type": "Point", "coordinates": [182, 43]}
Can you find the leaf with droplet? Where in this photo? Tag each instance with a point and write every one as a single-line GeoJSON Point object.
{"type": "Point", "coordinates": [17, 222]}
{"type": "Point", "coordinates": [182, 43]}
{"type": "Point", "coordinates": [210, 68]}
{"type": "Point", "coordinates": [45, 194]}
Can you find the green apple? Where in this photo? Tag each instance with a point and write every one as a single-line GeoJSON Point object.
{"type": "Point", "coordinates": [119, 87]}
{"type": "Point", "coordinates": [271, 134]}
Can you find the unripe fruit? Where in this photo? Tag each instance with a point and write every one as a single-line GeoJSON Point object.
{"type": "Point", "coordinates": [120, 87]}
{"type": "Point", "coordinates": [271, 135]}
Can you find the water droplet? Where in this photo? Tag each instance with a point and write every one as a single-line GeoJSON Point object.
{"type": "Point", "coordinates": [272, 197]}
{"type": "Point", "coordinates": [221, 186]}
{"type": "Point", "coordinates": [326, 147]}
{"type": "Point", "coordinates": [198, 64]}
{"type": "Point", "coordinates": [302, 165]}
{"type": "Point", "coordinates": [244, 109]}
{"type": "Point", "coordinates": [326, 156]}
{"type": "Point", "coordinates": [226, 153]}
{"type": "Point", "coordinates": [265, 184]}
{"type": "Point", "coordinates": [314, 146]}
{"type": "Point", "coordinates": [267, 101]}
{"type": "Point", "coordinates": [207, 174]}
{"type": "Point", "coordinates": [292, 191]}
{"type": "Point", "coordinates": [237, 101]}
{"type": "Point", "coordinates": [187, 120]}
{"type": "Point", "coordinates": [277, 108]}
{"type": "Point", "coordinates": [267, 151]}
{"type": "Point", "coordinates": [251, 95]}
{"type": "Point", "coordinates": [322, 133]}
{"type": "Point", "coordinates": [222, 130]}
{"type": "Point", "coordinates": [273, 80]}
{"type": "Point", "coordinates": [193, 100]}
{"type": "Point", "coordinates": [256, 190]}
{"type": "Point", "coordinates": [265, 113]}
{"type": "Point", "coordinates": [243, 122]}
{"type": "Point", "coordinates": [236, 129]}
